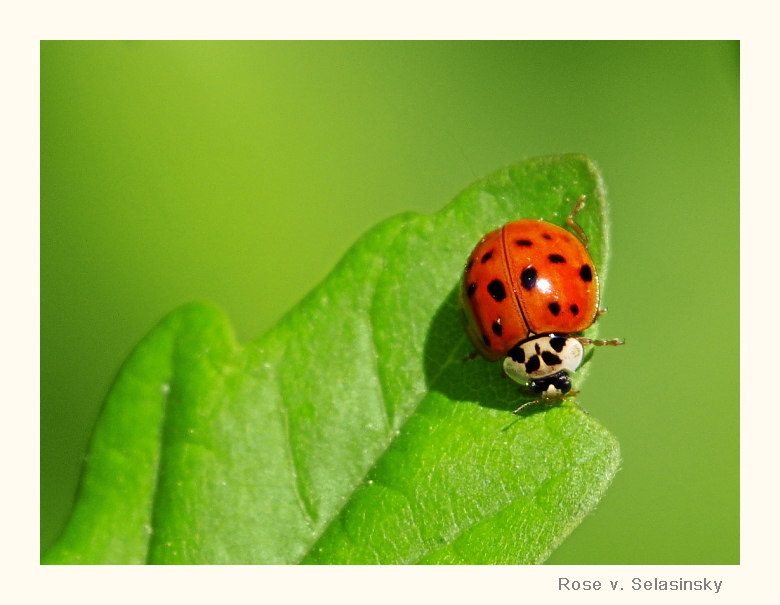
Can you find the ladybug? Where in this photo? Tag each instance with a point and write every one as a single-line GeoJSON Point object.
{"type": "Point", "coordinates": [528, 289]}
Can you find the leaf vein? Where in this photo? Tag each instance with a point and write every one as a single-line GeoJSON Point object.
{"type": "Point", "coordinates": [299, 484]}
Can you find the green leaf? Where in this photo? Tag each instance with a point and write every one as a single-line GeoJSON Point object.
{"type": "Point", "coordinates": [352, 432]}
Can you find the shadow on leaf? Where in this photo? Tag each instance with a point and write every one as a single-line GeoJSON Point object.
{"type": "Point", "coordinates": [480, 381]}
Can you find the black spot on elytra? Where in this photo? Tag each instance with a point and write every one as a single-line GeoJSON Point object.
{"type": "Point", "coordinates": [496, 290]}
{"type": "Point", "coordinates": [556, 258]}
{"type": "Point", "coordinates": [497, 327]}
{"type": "Point", "coordinates": [557, 343]}
{"type": "Point", "coordinates": [554, 307]}
{"type": "Point", "coordinates": [528, 278]}
{"type": "Point", "coordinates": [532, 365]}
{"type": "Point", "coordinates": [546, 236]}
{"type": "Point", "coordinates": [471, 289]}
{"type": "Point", "coordinates": [551, 359]}
{"type": "Point", "coordinates": [524, 242]}
{"type": "Point", "coordinates": [575, 310]}
{"type": "Point", "coordinates": [517, 354]}
{"type": "Point", "coordinates": [486, 256]}
{"type": "Point", "coordinates": [469, 264]}
{"type": "Point", "coordinates": [585, 273]}
{"type": "Point", "coordinates": [486, 340]}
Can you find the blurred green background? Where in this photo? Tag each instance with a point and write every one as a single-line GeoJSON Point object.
{"type": "Point", "coordinates": [240, 172]}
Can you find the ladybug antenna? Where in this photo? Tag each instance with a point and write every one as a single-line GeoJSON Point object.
{"type": "Point", "coordinates": [573, 224]}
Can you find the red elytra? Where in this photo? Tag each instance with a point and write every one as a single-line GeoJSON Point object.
{"type": "Point", "coordinates": [528, 277]}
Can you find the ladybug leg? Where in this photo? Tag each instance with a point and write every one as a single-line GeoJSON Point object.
{"type": "Point", "coordinates": [601, 312]}
{"type": "Point", "coordinates": [470, 356]}
{"type": "Point", "coordinates": [601, 343]}
{"type": "Point", "coordinates": [573, 224]}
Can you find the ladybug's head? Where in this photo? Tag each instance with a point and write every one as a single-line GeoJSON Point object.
{"type": "Point", "coordinates": [543, 362]}
{"type": "Point", "coordinates": [551, 386]}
